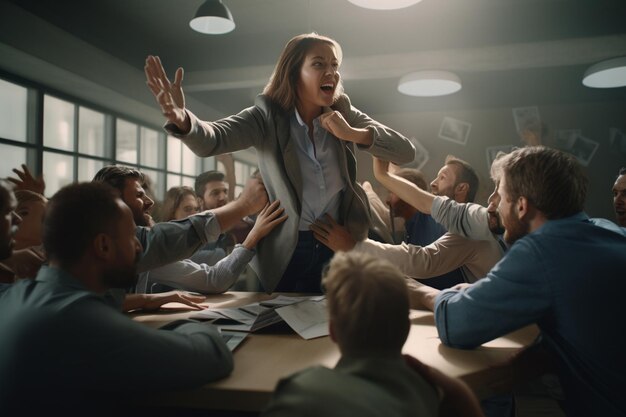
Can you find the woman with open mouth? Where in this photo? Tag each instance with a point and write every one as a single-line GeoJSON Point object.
{"type": "Point", "coordinates": [305, 131]}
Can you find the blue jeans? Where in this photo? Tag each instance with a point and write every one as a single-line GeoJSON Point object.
{"type": "Point", "coordinates": [304, 272]}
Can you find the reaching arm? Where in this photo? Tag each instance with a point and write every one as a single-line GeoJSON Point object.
{"type": "Point", "coordinates": [169, 95]}
{"type": "Point", "coordinates": [405, 190]}
{"type": "Point", "coordinates": [191, 276]}
{"type": "Point", "coordinates": [252, 199]}
{"type": "Point", "coordinates": [446, 254]}
{"type": "Point", "coordinates": [169, 242]}
{"type": "Point", "coordinates": [154, 301]}
{"type": "Point", "coordinates": [26, 181]}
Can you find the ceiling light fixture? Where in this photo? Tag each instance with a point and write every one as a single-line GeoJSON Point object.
{"type": "Point", "coordinates": [384, 4]}
{"type": "Point", "coordinates": [606, 74]}
{"type": "Point", "coordinates": [429, 83]}
{"type": "Point", "coordinates": [213, 18]}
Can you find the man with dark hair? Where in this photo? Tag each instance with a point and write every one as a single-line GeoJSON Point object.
{"type": "Point", "coordinates": [8, 227]}
{"type": "Point", "coordinates": [173, 247]}
{"type": "Point", "coordinates": [64, 340]}
{"type": "Point", "coordinates": [168, 242]}
{"type": "Point", "coordinates": [368, 310]}
{"type": "Point", "coordinates": [211, 190]}
{"type": "Point", "coordinates": [619, 197]}
{"type": "Point", "coordinates": [562, 272]}
{"type": "Point", "coordinates": [456, 180]}
{"type": "Point", "coordinates": [429, 254]}
{"type": "Point", "coordinates": [130, 183]}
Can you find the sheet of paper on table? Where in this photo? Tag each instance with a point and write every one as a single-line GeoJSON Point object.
{"type": "Point", "coordinates": [255, 316]}
{"type": "Point", "coordinates": [308, 318]}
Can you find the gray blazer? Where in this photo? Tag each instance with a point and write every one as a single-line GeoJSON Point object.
{"type": "Point", "coordinates": [265, 126]}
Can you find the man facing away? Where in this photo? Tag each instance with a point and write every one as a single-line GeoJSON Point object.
{"type": "Point", "coordinates": [368, 310]}
{"type": "Point", "coordinates": [563, 272]}
{"type": "Point", "coordinates": [65, 345]}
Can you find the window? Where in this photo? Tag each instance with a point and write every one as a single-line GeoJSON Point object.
{"type": "Point", "coordinates": [71, 141]}
{"type": "Point", "coordinates": [150, 147]}
{"type": "Point", "coordinates": [12, 157]}
{"type": "Point", "coordinates": [13, 111]}
{"type": "Point", "coordinates": [58, 171]}
{"type": "Point", "coordinates": [126, 142]}
{"type": "Point", "coordinates": [91, 132]}
{"type": "Point", "coordinates": [58, 123]}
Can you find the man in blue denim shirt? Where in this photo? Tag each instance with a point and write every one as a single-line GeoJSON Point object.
{"type": "Point", "coordinates": [563, 272]}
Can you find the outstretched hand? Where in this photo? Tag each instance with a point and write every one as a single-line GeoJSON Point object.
{"type": "Point", "coordinates": [270, 217]}
{"type": "Point", "coordinates": [155, 301]}
{"type": "Point", "coordinates": [26, 181]}
{"type": "Point", "coordinates": [332, 234]}
{"type": "Point", "coordinates": [169, 95]}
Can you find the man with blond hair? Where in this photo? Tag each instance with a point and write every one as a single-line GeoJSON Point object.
{"type": "Point", "coordinates": [368, 308]}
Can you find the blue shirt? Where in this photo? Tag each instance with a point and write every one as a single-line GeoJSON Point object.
{"type": "Point", "coordinates": [322, 180]}
{"type": "Point", "coordinates": [64, 343]}
{"type": "Point", "coordinates": [568, 276]}
{"type": "Point", "coordinates": [422, 230]}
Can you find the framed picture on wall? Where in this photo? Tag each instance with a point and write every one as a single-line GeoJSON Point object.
{"type": "Point", "coordinates": [583, 149]}
{"type": "Point", "coordinates": [573, 141]}
{"type": "Point", "coordinates": [421, 155]}
{"type": "Point", "coordinates": [454, 130]}
{"type": "Point", "coordinates": [527, 118]}
{"type": "Point", "coordinates": [493, 151]}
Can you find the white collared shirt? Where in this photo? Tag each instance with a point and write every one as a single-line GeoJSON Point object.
{"type": "Point", "coordinates": [322, 179]}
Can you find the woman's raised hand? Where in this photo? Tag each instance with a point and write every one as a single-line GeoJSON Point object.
{"type": "Point", "coordinates": [169, 95]}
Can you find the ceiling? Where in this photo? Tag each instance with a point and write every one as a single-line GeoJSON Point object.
{"type": "Point", "coordinates": [507, 52]}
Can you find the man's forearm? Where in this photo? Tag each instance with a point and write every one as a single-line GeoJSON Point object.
{"type": "Point", "coordinates": [421, 296]}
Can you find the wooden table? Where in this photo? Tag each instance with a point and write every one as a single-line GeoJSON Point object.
{"type": "Point", "coordinates": [266, 356]}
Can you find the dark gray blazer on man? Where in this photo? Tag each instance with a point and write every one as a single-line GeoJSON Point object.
{"type": "Point", "coordinates": [265, 126]}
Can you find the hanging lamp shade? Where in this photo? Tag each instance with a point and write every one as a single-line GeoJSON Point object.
{"type": "Point", "coordinates": [606, 74]}
{"type": "Point", "coordinates": [429, 83]}
{"type": "Point", "coordinates": [213, 18]}
{"type": "Point", "coordinates": [384, 4]}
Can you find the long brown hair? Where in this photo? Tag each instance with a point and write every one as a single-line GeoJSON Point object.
{"type": "Point", "coordinates": [173, 198]}
{"type": "Point", "coordinates": [282, 85]}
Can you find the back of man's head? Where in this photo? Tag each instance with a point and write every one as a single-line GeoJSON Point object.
{"type": "Point", "coordinates": [204, 178]}
{"type": "Point", "coordinates": [551, 180]}
{"type": "Point", "coordinates": [368, 304]}
{"type": "Point", "coordinates": [116, 176]}
{"type": "Point", "coordinates": [415, 176]}
{"type": "Point", "coordinates": [75, 215]}
{"type": "Point", "coordinates": [465, 174]}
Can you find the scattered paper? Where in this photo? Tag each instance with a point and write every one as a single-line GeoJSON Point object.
{"type": "Point", "coordinates": [307, 318]}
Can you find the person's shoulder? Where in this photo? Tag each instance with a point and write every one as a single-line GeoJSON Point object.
{"type": "Point", "coordinates": [268, 107]}
{"type": "Point", "coordinates": [608, 225]}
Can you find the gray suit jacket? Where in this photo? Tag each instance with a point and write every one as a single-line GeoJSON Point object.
{"type": "Point", "coordinates": [265, 126]}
